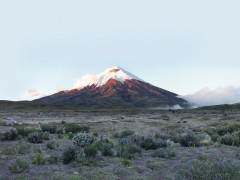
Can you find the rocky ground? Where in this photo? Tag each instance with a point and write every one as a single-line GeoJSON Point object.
{"type": "Point", "coordinates": [192, 135]}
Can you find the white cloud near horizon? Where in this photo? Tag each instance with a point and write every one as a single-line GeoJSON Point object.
{"type": "Point", "coordinates": [219, 95]}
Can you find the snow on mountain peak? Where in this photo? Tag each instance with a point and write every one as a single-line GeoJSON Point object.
{"type": "Point", "coordinates": [116, 73]}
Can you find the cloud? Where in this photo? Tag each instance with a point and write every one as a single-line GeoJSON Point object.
{"type": "Point", "coordinates": [220, 95]}
{"type": "Point", "coordinates": [33, 93]}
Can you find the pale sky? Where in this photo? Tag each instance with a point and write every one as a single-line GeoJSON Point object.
{"type": "Point", "coordinates": [181, 46]}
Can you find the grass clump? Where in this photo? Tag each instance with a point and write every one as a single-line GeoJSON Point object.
{"type": "Point", "coordinates": [39, 159]}
{"type": "Point", "coordinates": [165, 153]}
{"type": "Point", "coordinates": [126, 133]}
{"type": "Point", "coordinates": [51, 145]}
{"type": "Point", "coordinates": [19, 166]}
{"type": "Point", "coordinates": [215, 169]}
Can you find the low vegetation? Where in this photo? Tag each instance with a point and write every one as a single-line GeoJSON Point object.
{"type": "Point", "coordinates": [158, 147]}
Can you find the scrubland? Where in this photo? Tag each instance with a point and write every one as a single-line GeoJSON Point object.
{"type": "Point", "coordinates": [120, 144]}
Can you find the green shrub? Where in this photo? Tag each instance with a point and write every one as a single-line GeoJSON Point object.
{"type": "Point", "coordinates": [215, 169]}
{"type": "Point", "coordinates": [51, 145]}
{"type": "Point", "coordinates": [68, 155]}
{"type": "Point", "coordinates": [53, 159]}
{"type": "Point", "coordinates": [75, 128]}
{"type": "Point", "coordinates": [105, 146]}
{"type": "Point", "coordinates": [215, 137]}
{"type": "Point", "coordinates": [83, 139]}
{"type": "Point", "coordinates": [230, 139]}
{"type": "Point", "coordinates": [126, 162]}
{"type": "Point", "coordinates": [106, 149]}
{"type": "Point", "coordinates": [25, 131]}
{"type": "Point", "coordinates": [51, 128]}
{"type": "Point", "coordinates": [128, 151]}
{"type": "Point", "coordinates": [228, 129]}
{"type": "Point", "coordinates": [149, 142]}
{"type": "Point", "coordinates": [189, 139]}
{"type": "Point", "coordinates": [35, 137]}
{"type": "Point", "coordinates": [165, 153]}
{"type": "Point", "coordinates": [91, 150]}
{"type": "Point", "coordinates": [39, 159]}
{"type": "Point", "coordinates": [11, 134]}
{"type": "Point", "coordinates": [19, 166]}
{"type": "Point", "coordinates": [126, 133]}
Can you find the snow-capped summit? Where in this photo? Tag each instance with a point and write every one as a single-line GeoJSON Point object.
{"type": "Point", "coordinates": [116, 73]}
{"type": "Point", "coordinates": [114, 87]}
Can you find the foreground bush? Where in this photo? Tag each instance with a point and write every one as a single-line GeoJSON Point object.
{"type": "Point", "coordinates": [35, 137]}
{"type": "Point", "coordinates": [218, 169]}
{"type": "Point", "coordinates": [19, 166]}
{"type": "Point", "coordinates": [189, 139]}
{"type": "Point", "coordinates": [228, 129]}
{"type": "Point", "coordinates": [68, 155]}
{"type": "Point", "coordinates": [83, 139]}
{"type": "Point", "coordinates": [75, 128]}
{"type": "Point", "coordinates": [11, 134]}
{"type": "Point", "coordinates": [230, 140]}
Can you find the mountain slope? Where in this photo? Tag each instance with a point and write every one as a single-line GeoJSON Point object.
{"type": "Point", "coordinates": [114, 87]}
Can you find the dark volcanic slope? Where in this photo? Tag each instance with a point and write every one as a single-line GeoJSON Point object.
{"type": "Point", "coordinates": [114, 93]}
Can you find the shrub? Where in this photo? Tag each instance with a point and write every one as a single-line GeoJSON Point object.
{"type": "Point", "coordinates": [189, 139]}
{"type": "Point", "coordinates": [230, 139]}
{"type": "Point", "coordinates": [35, 137]}
{"type": "Point", "coordinates": [45, 136]}
{"type": "Point", "coordinates": [25, 131]}
{"type": "Point", "coordinates": [19, 166]}
{"type": "Point", "coordinates": [51, 128]}
{"type": "Point", "coordinates": [126, 133]}
{"type": "Point", "coordinates": [91, 150]}
{"type": "Point", "coordinates": [51, 145]}
{"type": "Point", "coordinates": [228, 129]}
{"type": "Point", "coordinates": [215, 137]}
{"type": "Point", "coordinates": [53, 159]}
{"type": "Point", "coordinates": [215, 169]}
{"type": "Point", "coordinates": [75, 128]}
{"type": "Point", "coordinates": [149, 142]}
{"type": "Point", "coordinates": [105, 147]}
{"type": "Point", "coordinates": [126, 162]}
{"type": "Point", "coordinates": [68, 155]}
{"type": "Point", "coordinates": [39, 159]}
{"type": "Point", "coordinates": [128, 151]}
{"type": "Point", "coordinates": [165, 153]}
{"type": "Point", "coordinates": [83, 139]}
{"type": "Point", "coordinates": [11, 134]}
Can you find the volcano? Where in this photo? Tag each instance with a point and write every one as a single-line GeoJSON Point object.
{"type": "Point", "coordinates": [114, 87]}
